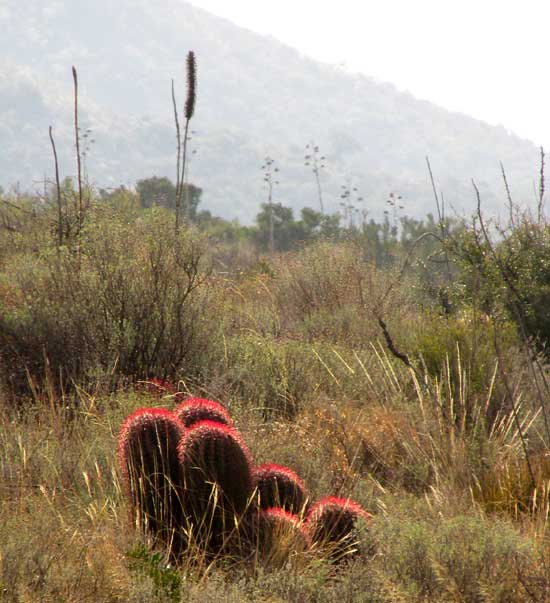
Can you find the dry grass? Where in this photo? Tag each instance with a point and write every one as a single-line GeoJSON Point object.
{"type": "Point", "coordinates": [434, 453]}
{"type": "Point", "coordinates": [65, 534]}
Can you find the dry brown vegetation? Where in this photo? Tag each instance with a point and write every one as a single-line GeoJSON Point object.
{"type": "Point", "coordinates": [434, 451]}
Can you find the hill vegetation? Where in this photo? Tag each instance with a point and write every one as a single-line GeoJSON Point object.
{"type": "Point", "coordinates": [406, 371]}
{"type": "Point", "coordinates": [314, 406]}
{"type": "Point", "coordinates": [257, 97]}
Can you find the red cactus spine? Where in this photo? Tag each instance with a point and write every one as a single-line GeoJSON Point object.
{"type": "Point", "coordinates": [279, 486]}
{"type": "Point", "coordinates": [193, 410]}
{"type": "Point", "coordinates": [332, 522]}
{"type": "Point", "coordinates": [147, 453]}
{"type": "Point", "coordinates": [217, 477]}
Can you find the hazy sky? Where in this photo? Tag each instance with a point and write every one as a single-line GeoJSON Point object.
{"type": "Point", "coordinates": [486, 58]}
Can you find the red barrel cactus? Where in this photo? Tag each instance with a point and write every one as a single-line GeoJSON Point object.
{"type": "Point", "coordinates": [280, 486]}
{"type": "Point", "coordinates": [217, 477]}
{"type": "Point", "coordinates": [147, 453]}
{"type": "Point", "coordinates": [193, 410]}
{"type": "Point", "coordinates": [331, 523]}
{"type": "Point", "coordinates": [280, 536]}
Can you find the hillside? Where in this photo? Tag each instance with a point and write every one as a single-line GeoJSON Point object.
{"type": "Point", "coordinates": [256, 97]}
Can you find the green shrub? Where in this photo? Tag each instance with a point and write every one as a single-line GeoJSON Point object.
{"type": "Point", "coordinates": [133, 305]}
{"type": "Point", "coordinates": [511, 275]}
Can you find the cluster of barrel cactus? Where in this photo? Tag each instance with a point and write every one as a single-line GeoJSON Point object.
{"type": "Point", "coordinates": [191, 482]}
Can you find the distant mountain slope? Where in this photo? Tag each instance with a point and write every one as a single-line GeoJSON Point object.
{"type": "Point", "coordinates": [255, 97]}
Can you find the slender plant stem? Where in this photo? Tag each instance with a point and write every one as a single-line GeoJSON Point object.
{"type": "Point", "coordinates": [540, 206]}
{"type": "Point", "coordinates": [182, 178]}
{"type": "Point", "coordinates": [319, 190]}
{"type": "Point", "coordinates": [508, 194]}
{"type": "Point", "coordinates": [178, 139]}
{"type": "Point", "coordinates": [271, 219]}
{"type": "Point", "coordinates": [58, 190]}
{"type": "Point", "coordinates": [78, 165]}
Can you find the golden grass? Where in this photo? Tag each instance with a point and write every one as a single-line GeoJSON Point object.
{"type": "Point", "coordinates": [433, 453]}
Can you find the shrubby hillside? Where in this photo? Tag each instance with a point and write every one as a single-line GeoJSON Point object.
{"type": "Point", "coordinates": [256, 97]}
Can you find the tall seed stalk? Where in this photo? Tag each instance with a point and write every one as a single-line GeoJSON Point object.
{"type": "Point", "coordinates": [270, 170]}
{"type": "Point", "coordinates": [178, 142]}
{"type": "Point", "coordinates": [58, 190]}
{"type": "Point", "coordinates": [311, 158]}
{"type": "Point", "coordinates": [189, 110]}
{"type": "Point", "coordinates": [80, 211]}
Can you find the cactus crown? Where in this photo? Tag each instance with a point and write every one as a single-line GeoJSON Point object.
{"type": "Point", "coordinates": [280, 486]}
{"type": "Point", "coordinates": [333, 519]}
{"type": "Point", "coordinates": [342, 504]}
{"type": "Point", "coordinates": [191, 480]}
{"type": "Point", "coordinates": [147, 430]}
{"type": "Point", "coordinates": [280, 514]}
{"type": "Point", "coordinates": [281, 534]}
{"type": "Point", "coordinates": [193, 410]}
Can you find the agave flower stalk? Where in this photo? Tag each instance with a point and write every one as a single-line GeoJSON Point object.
{"type": "Point", "coordinates": [189, 110]}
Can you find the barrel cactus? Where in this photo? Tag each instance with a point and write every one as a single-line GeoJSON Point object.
{"type": "Point", "coordinates": [193, 410]}
{"type": "Point", "coordinates": [217, 477]}
{"type": "Point", "coordinates": [280, 486]}
{"type": "Point", "coordinates": [147, 453]}
{"type": "Point", "coordinates": [331, 524]}
{"type": "Point", "coordinates": [281, 535]}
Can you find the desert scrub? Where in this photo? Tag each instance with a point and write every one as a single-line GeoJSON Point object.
{"type": "Point", "coordinates": [275, 375]}
{"type": "Point", "coordinates": [443, 552]}
{"type": "Point", "coordinates": [281, 377]}
{"type": "Point", "coordinates": [511, 274]}
{"type": "Point", "coordinates": [329, 292]}
{"type": "Point", "coordinates": [136, 307]}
